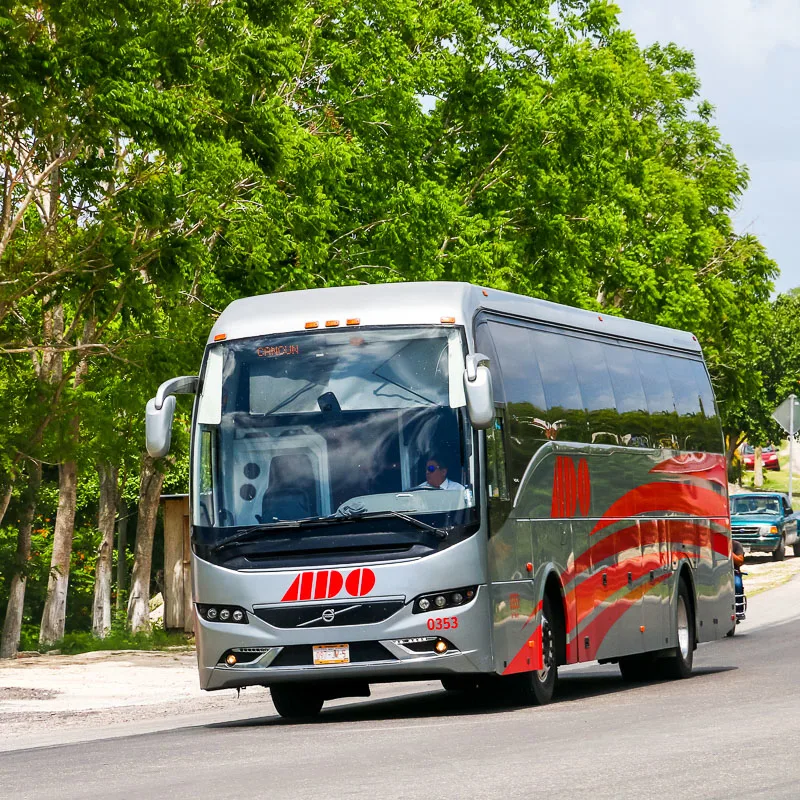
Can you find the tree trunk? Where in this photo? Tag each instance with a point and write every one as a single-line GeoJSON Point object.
{"type": "Point", "coordinates": [12, 627]}
{"type": "Point", "coordinates": [149, 494]}
{"type": "Point", "coordinates": [122, 551]}
{"type": "Point", "coordinates": [106, 518]}
{"type": "Point", "coordinates": [55, 606]}
{"type": "Point", "coordinates": [6, 498]}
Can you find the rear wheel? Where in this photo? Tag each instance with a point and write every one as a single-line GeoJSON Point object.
{"type": "Point", "coordinates": [731, 633]}
{"type": "Point", "coordinates": [538, 687]}
{"type": "Point", "coordinates": [779, 552]}
{"type": "Point", "coordinates": [679, 664]}
{"type": "Point", "coordinates": [796, 548]}
{"type": "Point", "coordinates": [296, 701]}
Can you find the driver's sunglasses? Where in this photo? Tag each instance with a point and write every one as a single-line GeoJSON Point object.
{"type": "Point", "coordinates": [433, 468]}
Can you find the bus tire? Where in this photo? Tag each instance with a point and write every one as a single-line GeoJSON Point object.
{"type": "Point", "coordinates": [296, 701]}
{"type": "Point", "coordinates": [796, 548]}
{"type": "Point", "coordinates": [679, 664]}
{"type": "Point", "coordinates": [538, 686]}
{"type": "Point", "coordinates": [779, 553]}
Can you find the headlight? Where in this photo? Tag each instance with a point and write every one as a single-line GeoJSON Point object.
{"type": "Point", "coordinates": [222, 614]}
{"type": "Point", "coordinates": [450, 598]}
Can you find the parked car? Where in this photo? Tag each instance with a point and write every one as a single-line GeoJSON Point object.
{"type": "Point", "coordinates": [764, 522]}
{"type": "Point", "coordinates": [769, 457]}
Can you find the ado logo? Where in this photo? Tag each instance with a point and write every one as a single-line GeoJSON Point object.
{"type": "Point", "coordinates": [325, 584]}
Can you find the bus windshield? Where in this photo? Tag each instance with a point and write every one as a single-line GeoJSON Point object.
{"type": "Point", "coordinates": [332, 424]}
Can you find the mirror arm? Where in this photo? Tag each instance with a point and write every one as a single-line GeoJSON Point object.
{"type": "Point", "coordinates": [186, 384]}
{"type": "Point", "coordinates": [475, 360]}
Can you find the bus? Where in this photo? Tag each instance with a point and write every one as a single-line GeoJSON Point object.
{"type": "Point", "coordinates": [418, 481]}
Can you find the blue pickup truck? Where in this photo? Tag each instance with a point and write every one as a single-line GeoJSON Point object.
{"type": "Point", "coordinates": [764, 522]}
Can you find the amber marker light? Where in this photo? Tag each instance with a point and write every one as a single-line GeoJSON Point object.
{"type": "Point", "coordinates": [230, 660]}
{"type": "Point", "coordinates": [440, 646]}
{"type": "Point", "coordinates": [332, 323]}
{"type": "Point", "coordinates": [447, 320]}
{"type": "Point", "coordinates": [312, 325]}
{"type": "Point", "coordinates": [220, 337]}
{"type": "Point", "coordinates": [354, 321]}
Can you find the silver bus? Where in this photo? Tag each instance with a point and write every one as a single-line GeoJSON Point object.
{"type": "Point", "coordinates": [420, 481]}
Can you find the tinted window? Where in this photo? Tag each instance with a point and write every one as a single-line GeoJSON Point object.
{"type": "Point", "coordinates": [626, 381]}
{"type": "Point", "coordinates": [521, 378]}
{"type": "Point", "coordinates": [593, 376]}
{"type": "Point", "coordinates": [560, 382]}
{"type": "Point", "coordinates": [523, 391]}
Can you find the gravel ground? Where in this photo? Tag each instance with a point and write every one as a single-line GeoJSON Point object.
{"type": "Point", "coordinates": [57, 694]}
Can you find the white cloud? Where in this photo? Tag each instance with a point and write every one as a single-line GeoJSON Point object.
{"type": "Point", "coordinates": [747, 54]}
{"type": "Point", "coordinates": [740, 34]}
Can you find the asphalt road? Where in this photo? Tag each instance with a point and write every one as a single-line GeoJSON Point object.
{"type": "Point", "coordinates": [729, 731]}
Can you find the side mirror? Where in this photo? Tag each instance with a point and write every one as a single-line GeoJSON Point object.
{"type": "Point", "coordinates": [478, 391]}
{"type": "Point", "coordinates": [158, 426]}
{"type": "Point", "coordinates": [160, 411]}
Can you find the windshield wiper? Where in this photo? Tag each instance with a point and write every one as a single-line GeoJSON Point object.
{"type": "Point", "coordinates": [254, 531]}
{"type": "Point", "coordinates": [423, 526]}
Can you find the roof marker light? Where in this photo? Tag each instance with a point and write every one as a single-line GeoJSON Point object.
{"type": "Point", "coordinates": [447, 320]}
{"type": "Point", "coordinates": [354, 321]}
{"type": "Point", "coordinates": [485, 293]}
{"type": "Point", "coordinates": [220, 337]}
{"type": "Point", "coordinates": [332, 323]}
{"type": "Point", "coordinates": [312, 325]}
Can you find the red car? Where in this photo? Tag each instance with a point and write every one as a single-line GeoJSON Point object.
{"type": "Point", "coordinates": [769, 457]}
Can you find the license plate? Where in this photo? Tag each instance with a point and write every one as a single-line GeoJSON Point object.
{"type": "Point", "coordinates": [331, 653]}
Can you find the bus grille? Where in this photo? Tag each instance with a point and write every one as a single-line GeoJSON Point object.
{"type": "Point", "coordinates": [306, 616]}
{"type": "Point", "coordinates": [300, 655]}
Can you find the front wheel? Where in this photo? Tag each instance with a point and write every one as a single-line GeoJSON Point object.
{"type": "Point", "coordinates": [296, 701]}
{"type": "Point", "coordinates": [679, 664]}
{"type": "Point", "coordinates": [779, 553]}
{"type": "Point", "coordinates": [538, 687]}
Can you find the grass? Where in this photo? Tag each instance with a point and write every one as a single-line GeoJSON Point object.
{"type": "Point", "coordinates": [76, 642]}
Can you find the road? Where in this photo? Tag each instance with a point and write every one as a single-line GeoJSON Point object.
{"type": "Point", "coordinates": [727, 732]}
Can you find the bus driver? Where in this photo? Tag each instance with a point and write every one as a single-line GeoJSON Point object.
{"type": "Point", "coordinates": [436, 476]}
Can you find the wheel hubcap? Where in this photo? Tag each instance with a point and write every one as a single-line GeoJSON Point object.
{"type": "Point", "coordinates": [683, 628]}
{"type": "Point", "coordinates": [548, 651]}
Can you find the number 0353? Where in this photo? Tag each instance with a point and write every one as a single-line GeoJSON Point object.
{"type": "Point", "coordinates": [442, 623]}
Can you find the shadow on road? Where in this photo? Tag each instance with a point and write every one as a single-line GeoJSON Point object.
{"type": "Point", "coordinates": [426, 705]}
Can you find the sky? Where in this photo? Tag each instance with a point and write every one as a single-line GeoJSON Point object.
{"type": "Point", "coordinates": [747, 55]}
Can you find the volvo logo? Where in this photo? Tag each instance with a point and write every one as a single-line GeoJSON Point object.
{"type": "Point", "coordinates": [328, 615]}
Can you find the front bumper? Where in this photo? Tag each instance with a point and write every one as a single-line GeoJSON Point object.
{"type": "Point", "coordinates": [757, 543]}
{"type": "Point", "coordinates": [384, 656]}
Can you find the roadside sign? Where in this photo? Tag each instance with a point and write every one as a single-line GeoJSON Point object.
{"type": "Point", "coordinates": [787, 414]}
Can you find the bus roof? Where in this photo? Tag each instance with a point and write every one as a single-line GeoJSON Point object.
{"type": "Point", "coordinates": [424, 303]}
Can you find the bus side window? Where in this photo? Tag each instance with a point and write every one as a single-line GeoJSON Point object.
{"type": "Point", "coordinates": [496, 475]}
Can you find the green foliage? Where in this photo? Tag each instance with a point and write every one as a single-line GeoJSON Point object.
{"type": "Point", "coordinates": [193, 153]}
